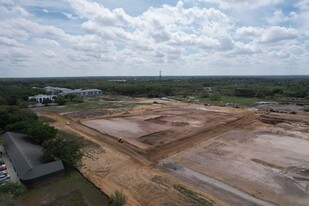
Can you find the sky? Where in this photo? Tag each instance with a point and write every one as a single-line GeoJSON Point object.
{"type": "Point", "coordinates": [143, 37]}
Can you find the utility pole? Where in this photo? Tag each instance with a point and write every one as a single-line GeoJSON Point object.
{"type": "Point", "coordinates": [160, 76]}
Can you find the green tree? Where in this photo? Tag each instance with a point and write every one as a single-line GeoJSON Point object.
{"type": "Point", "coordinates": [46, 101]}
{"type": "Point", "coordinates": [17, 115]}
{"type": "Point", "coordinates": [77, 99]}
{"type": "Point", "coordinates": [1, 140]}
{"type": "Point", "coordinates": [70, 97]}
{"type": "Point", "coordinates": [60, 100]}
{"type": "Point", "coordinates": [12, 117]}
{"type": "Point", "coordinates": [62, 149]}
{"type": "Point", "coordinates": [22, 103]}
{"type": "Point", "coordinates": [3, 101]}
{"type": "Point", "coordinates": [33, 101]}
{"type": "Point", "coordinates": [41, 132]}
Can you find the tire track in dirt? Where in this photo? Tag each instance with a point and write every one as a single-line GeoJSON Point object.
{"type": "Point", "coordinates": [225, 192]}
{"type": "Point", "coordinates": [99, 137]}
{"type": "Point", "coordinates": [186, 142]}
{"type": "Point", "coordinates": [153, 155]}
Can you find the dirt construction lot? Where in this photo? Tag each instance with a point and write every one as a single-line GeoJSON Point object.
{"type": "Point", "coordinates": [181, 154]}
{"type": "Point", "coordinates": [266, 162]}
{"type": "Point", "coordinates": [160, 126]}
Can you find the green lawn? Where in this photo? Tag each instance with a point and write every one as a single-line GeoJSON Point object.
{"type": "Point", "coordinates": [73, 189]}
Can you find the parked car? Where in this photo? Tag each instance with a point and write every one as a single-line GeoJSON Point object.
{"type": "Point", "coordinates": [3, 172]}
{"type": "Point", "coordinates": [2, 167]}
{"type": "Point", "coordinates": [4, 178]}
{"type": "Point", "coordinates": [4, 182]}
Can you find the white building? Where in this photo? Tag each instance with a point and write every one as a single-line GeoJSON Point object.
{"type": "Point", "coordinates": [77, 92]}
{"type": "Point", "coordinates": [41, 97]}
{"type": "Point", "coordinates": [56, 90]}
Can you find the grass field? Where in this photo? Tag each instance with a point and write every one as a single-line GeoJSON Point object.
{"type": "Point", "coordinates": [73, 189]}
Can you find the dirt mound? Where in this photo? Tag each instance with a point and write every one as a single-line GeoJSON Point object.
{"type": "Point", "coordinates": [180, 124]}
{"type": "Point", "coordinates": [157, 120]}
{"type": "Point", "coordinates": [276, 119]}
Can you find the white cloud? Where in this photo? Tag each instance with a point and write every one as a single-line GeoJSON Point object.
{"type": "Point", "coordinates": [49, 53]}
{"type": "Point", "coordinates": [303, 5]}
{"type": "Point", "coordinates": [270, 35]}
{"type": "Point", "coordinates": [179, 39]}
{"type": "Point", "coordinates": [279, 17]}
{"type": "Point", "coordinates": [277, 34]}
{"type": "Point", "coordinates": [249, 31]}
{"type": "Point", "coordinates": [244, 49]}
{"type": "Point", "coordinates": [70, 16]}
{"type": "Point", "coordinates": [98, 13]}
{"type": "Point", "coordinates": [45, 42]}
{"type": "Point", "coordinates": [242, 4]}
{"type": "Point", "coordinates": [9, 42]}
{"type": "Point", "coordinates": [159, 27]}
{"type": "Point", "coordinates": [30, 28]}
{"type": "Point", "coordinates": [13, 11]}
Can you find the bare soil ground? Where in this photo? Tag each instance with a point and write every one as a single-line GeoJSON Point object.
{"type": "Point", "coordinates": [157, 127]}
{"type": "Point", "coordinates": [261, 163]}
{"type": "Point", "coordinates": [115, 166]}
{"type": "Point", "coordinates": [267, 162]}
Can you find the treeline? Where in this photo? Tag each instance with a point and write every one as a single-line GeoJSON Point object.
{"type": "Point", "coordinates": [16, 93]}
{"type": "Point", "coordinates": [261, 87]}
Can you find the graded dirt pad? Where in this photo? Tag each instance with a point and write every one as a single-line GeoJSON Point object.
{"type": "Point", "coordinates": [160, 126]}
{"type": "Point", "coordinates": [266, 162]}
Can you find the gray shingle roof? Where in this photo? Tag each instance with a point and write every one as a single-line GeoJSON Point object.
{"type": "Point", "coordinates": [27, 158]}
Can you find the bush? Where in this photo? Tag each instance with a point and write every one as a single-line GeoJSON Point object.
{"type": "Point", "coordinates": [12, 189]}
{"type": "Point", "coordinates": [77, 99]}
{"type": "Point", "coordinates": [215, 97]}
{"type": "Point", "coordinates": [61, 100]}
{"type": "Point", "coordinates": [118, 198]}
{"type": "Point", "coordinates": [46, 101]}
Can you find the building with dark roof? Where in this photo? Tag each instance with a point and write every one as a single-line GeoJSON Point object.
{"type": "Point", "coordinates": [27, 159]}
